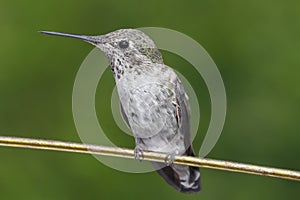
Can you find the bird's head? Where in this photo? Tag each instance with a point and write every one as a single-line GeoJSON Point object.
{"type": "Point", "coordinates": [130, 46]}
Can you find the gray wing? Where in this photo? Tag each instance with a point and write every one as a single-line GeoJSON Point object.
{"type": "Point", "coordinates": [184, 113]}
{"type": "Point", "coordinates": [124, 116]}
{"type": "Point", "coordinates": [183, 178]}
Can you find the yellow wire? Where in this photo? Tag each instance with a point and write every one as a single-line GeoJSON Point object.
{"type": "Point", "coordinates": [150, 156]}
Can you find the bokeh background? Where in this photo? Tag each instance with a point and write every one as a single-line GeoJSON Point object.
{"type": "Point", "coordinates": [255, 45]}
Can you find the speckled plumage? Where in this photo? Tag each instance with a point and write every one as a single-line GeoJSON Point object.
{"type": "Point", "coordinates": [153, 101]}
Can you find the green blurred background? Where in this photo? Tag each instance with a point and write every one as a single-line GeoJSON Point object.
{"type": "Point", "coordinates": [255, 45]}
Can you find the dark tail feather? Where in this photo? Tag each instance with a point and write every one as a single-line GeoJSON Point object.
{"type": "Point", "coordinates": [183, 178]}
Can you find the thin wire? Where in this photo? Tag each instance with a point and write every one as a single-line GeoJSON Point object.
{"type": "Point", "coordinates": [150, 156]}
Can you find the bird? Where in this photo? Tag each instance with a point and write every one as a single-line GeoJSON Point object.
{"type": "Point", "coordinates": [153, 101]}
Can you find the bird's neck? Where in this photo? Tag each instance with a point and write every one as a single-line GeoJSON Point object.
{"type": "Point", "coordinates": [121, 63]}
{"type": "Point", "coordinates": [118, 66]}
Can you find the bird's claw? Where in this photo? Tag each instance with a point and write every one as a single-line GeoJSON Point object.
{"type": "Point", "coordinates": [169, 159]}
{"type": "Point", "coordinates": [138, 153]}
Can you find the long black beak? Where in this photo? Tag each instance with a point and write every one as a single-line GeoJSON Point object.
{"type": "Point", "coordinates": [90, 39]}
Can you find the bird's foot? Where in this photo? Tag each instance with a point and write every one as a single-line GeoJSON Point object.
{"type": "Point", "coordinates": [138, 153]}
{"type": "Point", "coordinates": [169, 159]}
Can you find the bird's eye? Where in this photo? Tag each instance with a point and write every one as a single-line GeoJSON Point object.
{"type": "Point", "coordinates": [123, 44]}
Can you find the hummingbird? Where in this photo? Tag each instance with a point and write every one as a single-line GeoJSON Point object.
{"type": "Point", "coordinates": [153, 101]}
